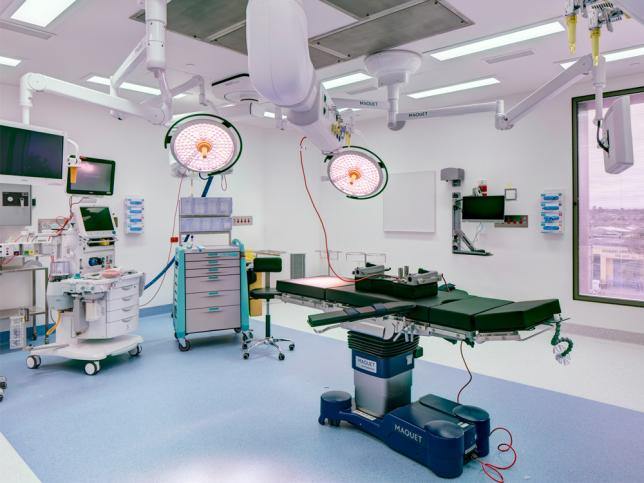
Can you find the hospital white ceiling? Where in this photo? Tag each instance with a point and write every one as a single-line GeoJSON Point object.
{"type": "Point", "coordinates": [94, 37]}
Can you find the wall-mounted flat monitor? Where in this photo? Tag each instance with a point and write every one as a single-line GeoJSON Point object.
{"type": "Point", "coordinates": [483, 208]}
{"type": "Point", "coordinates": [31, 155]}
{"type": "Point", "coordinates": [93, 177]}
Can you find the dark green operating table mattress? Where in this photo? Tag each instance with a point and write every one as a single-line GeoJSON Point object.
{"type": "Point", "coordinates": [455, 309]}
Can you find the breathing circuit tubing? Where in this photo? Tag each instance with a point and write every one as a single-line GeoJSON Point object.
{"type": "Point", "coordinates": [204, 193]}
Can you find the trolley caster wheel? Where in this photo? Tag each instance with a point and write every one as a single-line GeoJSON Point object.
{"type": "Point", "coordinates": [321, 420]}
{"type": "Point", "coordinates": [1, 395]}
{"type": "Point", "coordinates": [92, 368]}
{"type": "Point", "coordinates": [334, 422]}
{"type": "Point", "coordinates": [33, 362]}
{"type": "Point", "coordinates": [184, 347]}
{"type": "Point", "coordinates": [237, 330]}
{"type": "Point", "coordinates": [246, 355]}
{"type": "Point", "coordinates": [244, 347]}
{"type": "Point", "coordinates": [3, 382]}
{"type": "Point", "coordinates": [281, 357]}
{"type": "Point", "coordinates": [291, 347]}
{"type": "Point", "coordinates": [136, 351]}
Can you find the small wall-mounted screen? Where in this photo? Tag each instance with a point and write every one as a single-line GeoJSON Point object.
{"type": "Point", "coordinates": [483, 208]}
{"type": "Point", "coordinates": [96, 218]}
{"type": "Point", "coordinates": [93, 177]}
{"type": "Point", "coordinates": [28, 153]}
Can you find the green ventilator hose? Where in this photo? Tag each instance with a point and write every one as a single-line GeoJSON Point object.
{"type": "Point", "coordinates": [562, 346]}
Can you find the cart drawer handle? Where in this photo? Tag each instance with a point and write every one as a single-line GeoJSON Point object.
{"type": "Point", "coordinates": [213, 294]}
{"type": "Point", "coordinates": [213, 309]}
{"type": "Point", "coordinates": [213, 269]}
{"type": "Point", "coordinates": [128, 319]}
{"type": "Point", "coordinates": [213, 277]}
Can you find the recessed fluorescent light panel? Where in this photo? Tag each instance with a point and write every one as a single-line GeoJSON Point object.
{"type": "Point", "coordinates": [614, 56]}
{"type": "Point", "coordinates": [104, 81]}
{"type": "Point", "coordinates": [9, 61]}
{"type": "Point", "coordinates": [501, 40]}
{"type": "Point", "coordinates": [39, 12]}
{"type": "Point", "coordinates": [345, 80]}
{"type": "Point", "coordinates": [464, 86]}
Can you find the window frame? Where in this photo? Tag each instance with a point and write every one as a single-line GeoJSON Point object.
{"type": "Point", "coordinates": [576, 101]}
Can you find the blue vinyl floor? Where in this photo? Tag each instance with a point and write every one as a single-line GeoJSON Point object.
{"type": "Point", "coordinates": [208, 415]}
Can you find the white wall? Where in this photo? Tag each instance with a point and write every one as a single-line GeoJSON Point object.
{"type": "Point", "coordinates": [535, 155]}
{"type": "Point", "coordinates": [142, 169]}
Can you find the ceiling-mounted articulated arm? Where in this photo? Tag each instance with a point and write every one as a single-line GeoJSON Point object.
{"type": "Point", "coordinates": [582, 67]}
{"type": "Point", "coordinates": [31, 83]}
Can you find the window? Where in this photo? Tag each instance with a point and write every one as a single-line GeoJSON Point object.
{"type": "Point", "coordinates": [608, 211]}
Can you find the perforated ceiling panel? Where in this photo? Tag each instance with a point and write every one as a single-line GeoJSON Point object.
{"type": "Point", "coordinates": [381, 24]}
{"type": "Point", "coordinates": [364, 8]}
{"type": "Point", "coordinates": [389, 30]}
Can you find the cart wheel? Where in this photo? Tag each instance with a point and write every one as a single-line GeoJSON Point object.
{"type": "Point", "coordinates": [291, 347]}
{"type": "Point", "coordinates": [33, 362]}
{"type": "Point", "coordinates": [1, 395]}
{"type": "Point", "coordinates": [3, 382]}
{"type": "Point", "coordinates": [281, 357]}
{"type": "Point", "coordinates": [334, 422]}
{"type": "Point", "coordinates": [244, 347]}
{"type": "Point", "coordinates": [246, 355]}
{"type": "Point", "coordinates": [136, 351]}
{"type": "Point", "coordinates": [184, 347]}
{"type": "Point", "coordinates": [237, 330]}
{"type": "Point", "coordinates": [321, 420]}
{"type": "Point", "coordinates": [91, 368]}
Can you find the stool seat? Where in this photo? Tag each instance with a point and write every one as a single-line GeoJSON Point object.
{"type": "Point", "coordinates": [265, 293]}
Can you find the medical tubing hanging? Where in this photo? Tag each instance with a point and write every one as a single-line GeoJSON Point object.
{"type": "Point", "coordinates": [204, 193]}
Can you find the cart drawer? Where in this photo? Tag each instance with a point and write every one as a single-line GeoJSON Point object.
{"type": "Point", "coordinates": [125, 326]}
{"type": "Point", "coordinates": [116, 304]}
{"type": "Point", "coordinates": [212, 299]}
{"type": "Point", "coordinates": [212, 283]}
{"type": "Point", "coordinates": [124, 313]}
{"type": "Point", "coordinates": [123, 291]}
{"type": "Point", "coordinates": [211, 255]}
{"type": "Point", "coordinates": [204, 272]}
{"type": "Point", "coordinates": [216, 318]}
{"type": "Point", "coordinates": [216, 262]}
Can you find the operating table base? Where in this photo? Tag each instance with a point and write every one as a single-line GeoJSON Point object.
{"type": "Point", "coordinates": [437, 433]}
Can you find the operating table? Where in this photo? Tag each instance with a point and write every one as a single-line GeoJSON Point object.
{"type": "Point", "coordinates": [383, 336]}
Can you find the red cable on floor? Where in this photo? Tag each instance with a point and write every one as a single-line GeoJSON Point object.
{"type": "Point", "coordinates": [317, 212]}
{"type": "Point", "coordinates": [497, 471]}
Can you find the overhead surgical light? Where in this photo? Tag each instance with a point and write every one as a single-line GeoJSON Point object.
{"type": "Point", "coordinates": [357, 172]}
{"type": "Point", "coordinates": [204, 143]}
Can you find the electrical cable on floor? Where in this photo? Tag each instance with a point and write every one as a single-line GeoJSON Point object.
{"type": "Point", "coordinates": [496, 474]}
{"type": "Point", "coordinates": [317, 212]}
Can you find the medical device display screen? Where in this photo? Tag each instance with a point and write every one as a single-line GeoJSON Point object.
{"type": "Point", "coordinates": [96, 218]}
{"type": "Point", "coordinates": [30, 153]}
{"type": "Point", "coordinates": [93, 177]}
{"type": "Point", "coordinates": [483, 208]}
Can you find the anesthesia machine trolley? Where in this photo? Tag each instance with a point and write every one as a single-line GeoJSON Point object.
{"type": "Point", "coordinates": [210, 282]}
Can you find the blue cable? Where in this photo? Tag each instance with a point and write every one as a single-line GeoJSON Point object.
{"type": "Point", "coordinates": [204, 193]}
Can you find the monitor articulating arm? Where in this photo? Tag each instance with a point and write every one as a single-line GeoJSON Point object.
{"type": "Point", "coordinates": [503, 120]}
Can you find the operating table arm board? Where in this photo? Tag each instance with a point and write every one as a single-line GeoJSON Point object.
{"type": "Point", "coordinates": [351, 314]}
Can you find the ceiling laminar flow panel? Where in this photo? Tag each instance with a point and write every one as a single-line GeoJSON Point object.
{"type": "Point", "coordinates": [201, 19]}
{"type": "Point", "coordinates": [364, 8]}
{"type": "Point", "coordinates": [392, 28]}
{"type": "Point", "coordinates": [386, 24]}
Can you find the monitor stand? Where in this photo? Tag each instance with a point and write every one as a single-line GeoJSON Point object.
{"type": "Point", "coordinates": [459, 238]}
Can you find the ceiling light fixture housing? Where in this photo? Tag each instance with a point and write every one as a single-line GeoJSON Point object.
{"type": "Point", "coordinates": [204, 143]}
{"type": "Point", "coordinates": [357, 172]}
{"type": "Point", "coordinates": [507, 38]}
